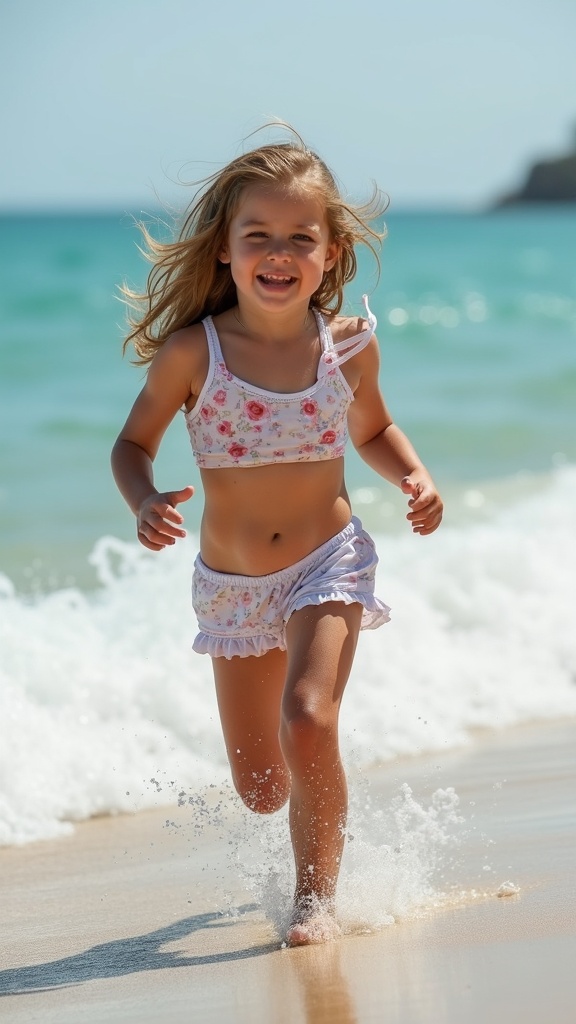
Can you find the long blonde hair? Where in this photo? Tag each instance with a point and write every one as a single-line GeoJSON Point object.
{"type": "Point", "coordinates": [188, 282]}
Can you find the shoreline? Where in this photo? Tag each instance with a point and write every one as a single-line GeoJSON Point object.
{"type": "Point", "coordinates": [118, 921]}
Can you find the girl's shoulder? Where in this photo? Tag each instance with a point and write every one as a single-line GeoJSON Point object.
{"type": "Point", "coordinates": [185, 353]}
{"type": "Point", "coordinates": [188, 343]}
{"type": "Point", "coordinates": [345, 327]}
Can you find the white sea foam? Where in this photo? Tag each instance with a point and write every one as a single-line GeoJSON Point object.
{"type": "Point", "coordinates": [395, 863]}
{"type": "Point", "coordinates": [104, 708]}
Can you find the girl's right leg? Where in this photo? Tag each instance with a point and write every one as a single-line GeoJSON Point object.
{"type": "Point", "coordinates": [249, 693]}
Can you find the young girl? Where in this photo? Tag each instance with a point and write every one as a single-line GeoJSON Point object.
{"type": "Point", "coordinates": [240, 326]}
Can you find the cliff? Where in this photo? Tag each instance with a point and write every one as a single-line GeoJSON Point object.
{"type": "Point", "coordinates": [547, 181]}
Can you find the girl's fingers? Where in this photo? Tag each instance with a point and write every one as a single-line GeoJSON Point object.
{"type": "Point", "coordinates": [184, 495]}
{"type": "Point", "coordinates": [148, 543]}
{"type": "Point", "coordinates": [152, 538]}
{"type": "Point", "coordinates": [421, 513]}
{"type": "Point", "coordinates": [161, 516]}
{"type": "Point", "coordinates": [169, 512]}
{"type": "Point", "coordinates": [156, 533]}
{"type": "Point", "coordinates": [428, 525]}
{"type": "Point", "coordinates": [422, 500]}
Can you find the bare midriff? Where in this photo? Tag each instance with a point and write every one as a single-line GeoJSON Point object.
{"type": "Point", "coordinates": [263, 519]}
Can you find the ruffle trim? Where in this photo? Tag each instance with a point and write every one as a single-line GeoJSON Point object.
{"type": "Point", "coordinates": [236, 646]}
{"type": "Point", "coordinates": [375, 614]}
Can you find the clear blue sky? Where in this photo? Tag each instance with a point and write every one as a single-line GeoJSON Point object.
{"type": "Point", "coordinates": [441, 101]}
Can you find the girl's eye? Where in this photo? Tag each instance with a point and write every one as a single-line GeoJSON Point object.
{"type": "Point", "coordinates": [258, 235]}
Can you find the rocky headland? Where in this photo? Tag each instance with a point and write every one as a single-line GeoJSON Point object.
{"type": "Point", "coordinates": [547, 181]}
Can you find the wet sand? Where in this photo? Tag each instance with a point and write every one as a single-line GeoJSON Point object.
{"type": "Point", "coordinates": [117, 922]}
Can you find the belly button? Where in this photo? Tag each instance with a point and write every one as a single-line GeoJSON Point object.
{"type": "Point", "coordinates": [275, 536]}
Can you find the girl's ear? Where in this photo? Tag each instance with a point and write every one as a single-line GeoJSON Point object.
{"type": "Point", "coordinates": [224, 255]}
{"type": "Point", "coordinates": [332, 255]}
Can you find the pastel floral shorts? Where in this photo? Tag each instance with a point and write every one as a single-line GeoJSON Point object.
{"type": "Point", "coordinates": [240, 616]}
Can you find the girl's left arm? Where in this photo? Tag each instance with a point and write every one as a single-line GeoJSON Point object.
{"type": "Point", "coordinates": [386, 449]}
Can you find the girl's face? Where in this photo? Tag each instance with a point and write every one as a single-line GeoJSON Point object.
{"type": "Point", "coordinates": [279, 247]}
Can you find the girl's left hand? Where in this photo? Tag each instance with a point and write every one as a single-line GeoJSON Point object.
{"type": "Point", "coordinates": [425, 503]}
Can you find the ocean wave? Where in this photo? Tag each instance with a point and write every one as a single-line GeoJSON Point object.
{"type": "Point", "coordinates": [105, 709]}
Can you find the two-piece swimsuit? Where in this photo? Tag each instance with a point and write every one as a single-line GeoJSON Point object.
{"type": "Point", "coordinates": [236, 424]}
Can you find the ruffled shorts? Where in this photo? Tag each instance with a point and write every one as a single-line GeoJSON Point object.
{"type": "Point", "coordinates": [243, 616]}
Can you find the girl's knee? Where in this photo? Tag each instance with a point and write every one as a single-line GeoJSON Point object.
{"type": "Point", "coordinates": [262, 793]}
{"type": "Point", "coordinates": [306, 732]}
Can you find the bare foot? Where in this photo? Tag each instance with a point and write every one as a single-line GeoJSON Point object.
{"type": "Point", "coordinates": [312, 922]}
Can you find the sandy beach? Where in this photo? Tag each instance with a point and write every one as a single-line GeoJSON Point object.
{"type": "Point", "coordinates": [118, 922]}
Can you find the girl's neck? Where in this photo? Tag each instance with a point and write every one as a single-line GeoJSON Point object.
{"type": "Point", "coordinates": [278, 327]}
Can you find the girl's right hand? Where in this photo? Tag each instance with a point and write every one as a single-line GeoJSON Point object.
{"type": "Point", "coordinates": [156, 515]}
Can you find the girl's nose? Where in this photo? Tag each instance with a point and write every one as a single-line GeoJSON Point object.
{"type": "Point", "coordinates": [279, 251]}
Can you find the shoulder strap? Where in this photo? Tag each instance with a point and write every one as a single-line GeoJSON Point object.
{"type": "Point", "coordinates": [336, 353]}
{"type": "Point", "coordinates": [214, 346]}
{"type": "Point", "coordinates": [326, 340]}
{"type": "Point", "coordinates": [344, 350]}
{"type": "Point", "coordinates": [214, 357]}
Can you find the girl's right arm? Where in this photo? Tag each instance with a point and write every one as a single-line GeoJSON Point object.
{"type": "Point", "coordinates": [172, 377]}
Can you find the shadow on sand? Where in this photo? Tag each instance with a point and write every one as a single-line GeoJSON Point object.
{"type": "Point", "coordinates": [127, 956]}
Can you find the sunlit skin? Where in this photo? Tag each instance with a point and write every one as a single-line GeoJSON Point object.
{"type": "Point", "coordinates": [279, 712]}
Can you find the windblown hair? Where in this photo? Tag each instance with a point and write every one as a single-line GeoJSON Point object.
{"type": "Point", "coordinates": [188, 282]}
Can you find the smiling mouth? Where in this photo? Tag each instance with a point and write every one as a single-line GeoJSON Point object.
{"type": "Point", "coordinates": [276, 279]}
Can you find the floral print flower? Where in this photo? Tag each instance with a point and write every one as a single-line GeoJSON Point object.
{"type": "Point", "coordinates": [256, 410]}
{"type": "Point", "coordinates": [207, 412]}
{"type": "Point", "coordinates": [237, 451]}
{"type": "Point", "coordinates": [328, 437]}
{"type": "Point", "coordinates": [225, 428]}
{"type": "Point", "coordinates": [309, 407]}
{"type": "Point", "coordinates": [219, 397]}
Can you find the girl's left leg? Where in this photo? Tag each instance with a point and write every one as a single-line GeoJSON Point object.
{"type": "Point", "coordinates": [321, 641]}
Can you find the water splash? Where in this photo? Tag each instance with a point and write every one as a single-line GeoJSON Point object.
{"type": "Point", "coordinates": [393, 857]}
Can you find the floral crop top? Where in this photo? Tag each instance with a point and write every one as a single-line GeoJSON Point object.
{"type": "Point", "coordinates": [236, 424]}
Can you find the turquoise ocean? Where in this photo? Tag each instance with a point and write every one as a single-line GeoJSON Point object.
{"type": "Point", "coordinates": [103, 707]}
